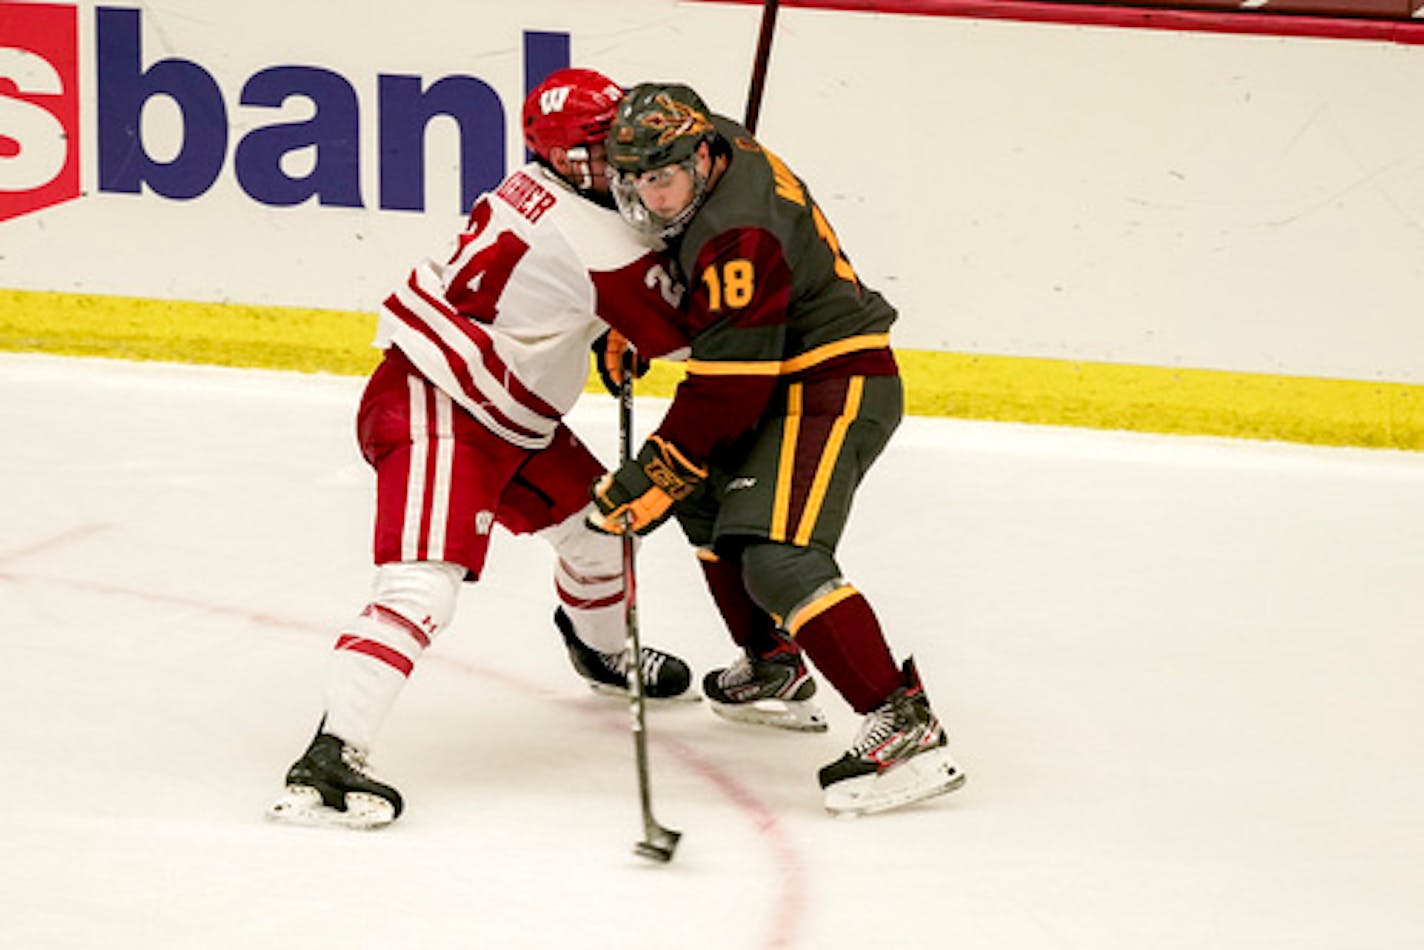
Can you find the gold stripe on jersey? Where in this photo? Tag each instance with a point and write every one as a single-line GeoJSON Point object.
{"type": "Point", "coordinates": [827, 465]}
{"type": "Point", "coordinates": [786, 464]}
{"type": "Point", "coordinates": [827, 351]}
{"type": "Point", "coordinates": [733, 367]}
{"type": "Point", "coordinates": [819, 606]}
{"type": "Point", "coordinates": [786, 184]}
{"type": "Point", "coordinates": [823, 227]}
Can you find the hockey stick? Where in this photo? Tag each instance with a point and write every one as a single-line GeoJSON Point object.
{"type": "Point", "coordinates": [763, 56]}
{"type": "Point", "coordinates": [658, 843]}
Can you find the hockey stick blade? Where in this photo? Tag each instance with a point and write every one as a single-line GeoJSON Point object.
{"type": "Point", "coordinates": [658, 845]}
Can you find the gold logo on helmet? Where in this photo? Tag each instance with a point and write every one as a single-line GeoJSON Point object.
{"type": "Point", "coordinates": [677, 119]}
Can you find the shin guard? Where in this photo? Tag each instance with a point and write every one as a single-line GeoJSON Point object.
{"type": "Point", "coordinates": [375, 653]}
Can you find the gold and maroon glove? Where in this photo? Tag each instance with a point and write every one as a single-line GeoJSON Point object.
{"type": "Point", "coordinates": [643, 489]}
{"type": "Point", "coordinates": [608, 352]}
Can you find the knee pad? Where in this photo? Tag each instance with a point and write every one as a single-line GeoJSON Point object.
{"type": "Point", "coordinates": [423, 592]}
{"type": "Point", "coordinates": [584, 550]}
{"type": "Point", "coordinates": [781, 577]}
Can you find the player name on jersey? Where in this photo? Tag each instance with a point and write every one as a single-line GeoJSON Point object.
{"type": "Point", "coordinates": [526, 196]}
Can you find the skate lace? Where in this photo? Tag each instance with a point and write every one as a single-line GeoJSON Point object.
{"type": "Point", "coordinates": [355, 760]}
{"type": "Point", "coordinates": [878, 728]}
{"type": "Point", "coordinates": [652, 663]}
{"type": "Point", "coordinates": [739, 673]}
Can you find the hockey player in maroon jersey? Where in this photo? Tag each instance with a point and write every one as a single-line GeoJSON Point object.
{"type": "Point", "coordinates": [791, 392]}
{"type": "Point", "coordinates": [484, 353]}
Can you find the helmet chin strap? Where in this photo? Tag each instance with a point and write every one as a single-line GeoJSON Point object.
{"type": "Point", "coordinates": [581, 179]}
{"type": "Point", "coordinates": [581, 166]}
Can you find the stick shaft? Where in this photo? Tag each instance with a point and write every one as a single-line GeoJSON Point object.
{"type": "Point", "coordinates": [630, 605]}
{"type": "Point", "coordinates": [763, 57]}
{"type": "Point", "coordinates": [658, 842]}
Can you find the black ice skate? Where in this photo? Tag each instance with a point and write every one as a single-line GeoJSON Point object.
{"type": "Point", "coordinates": [664, 675]}
{"type": "Point", "coordinates": [775, 690]}
{"type": "Point", "coordinates": [329, 785]}
{"type": "Point", "coordinates": [898, 758]}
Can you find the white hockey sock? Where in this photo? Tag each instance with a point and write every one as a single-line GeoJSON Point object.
{"type": "Point", "coordinates": [375, 653]}
{"type": "Point", "coordinates": [589, 580]}
{"type": "Point", "coordinates": [594, 604]}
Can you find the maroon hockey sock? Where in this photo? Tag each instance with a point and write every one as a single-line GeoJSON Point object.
{"type": "Point", "coordinates": [751, 627]}
{"type": "Point", "coordinates": [846, 644]}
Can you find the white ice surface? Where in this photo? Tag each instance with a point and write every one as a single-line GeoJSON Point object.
{"type": "Point", "coordinates": [1184, 676]}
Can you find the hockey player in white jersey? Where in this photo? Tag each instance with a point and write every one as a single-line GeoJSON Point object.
{"type": "Point", "coordinates": [485, 352]}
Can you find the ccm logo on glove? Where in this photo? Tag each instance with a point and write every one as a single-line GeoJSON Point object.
{"type": "Point", "coordinates": [642, 490]}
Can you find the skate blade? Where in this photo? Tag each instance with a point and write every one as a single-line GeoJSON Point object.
{"type": "Point", "coordinates": [688, 695]}
{"type": "Point", "coordinates": [925, 776]}
{"type": "Point", "coordinates": [302, 805]}
{"type": "Point", "coordinates": [795, 715]}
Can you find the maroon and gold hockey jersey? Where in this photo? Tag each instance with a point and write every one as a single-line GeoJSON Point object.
{"type": "Point", "coordinates": [771, 297]}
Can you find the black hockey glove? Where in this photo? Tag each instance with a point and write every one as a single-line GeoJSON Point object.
{"type": "Point", "coordinates": [608, 353]}
{"type": "Point", "coordinates": [642, 490]}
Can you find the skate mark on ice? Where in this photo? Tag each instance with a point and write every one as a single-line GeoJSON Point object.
{"type": "Point", "coordinates": [64, 538]}
{"type": "Point", "coordinates": [789, 901]}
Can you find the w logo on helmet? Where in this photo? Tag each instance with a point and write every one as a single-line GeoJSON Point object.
{"type": "Point", "coordinates": [552, 100]}
{"type": "Point", "coordinates": [676, 120]}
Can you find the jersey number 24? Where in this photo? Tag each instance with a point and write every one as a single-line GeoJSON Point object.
{"type": "Point", "coordinates": [475, 290]}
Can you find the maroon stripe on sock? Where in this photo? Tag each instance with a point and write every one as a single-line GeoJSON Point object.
{"type": "Point", "coordinates": [378, 651]}
{"type": "Point", "coordinates": [848, 648]}
{"type": "Point", "coordinates": [574, 575]}
{"type": "Point", "coordinates": [586, 603]}
{"type": "Point", "coordinates": [387, 615]}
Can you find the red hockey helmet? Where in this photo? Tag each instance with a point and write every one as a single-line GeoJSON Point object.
{"type": "Point", "coordinates": [572, 108]}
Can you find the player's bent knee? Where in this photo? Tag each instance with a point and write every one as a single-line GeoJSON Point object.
{"type": "Point", "coordinates": [779, 576]}
{"type": "Point", "coordinates": [424, 592]}
{"type": "Point", "coordinates": [584, 550]}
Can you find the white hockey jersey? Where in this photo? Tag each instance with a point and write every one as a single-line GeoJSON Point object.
{"type": "Point", "coordinates": [505, 325]}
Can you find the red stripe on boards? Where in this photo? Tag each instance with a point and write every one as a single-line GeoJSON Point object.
{"type": "Point", "coordinates": [1282, 23]}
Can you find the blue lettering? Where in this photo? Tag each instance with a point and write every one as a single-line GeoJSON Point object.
{"type": "Point", "coordinates": [124, 87]}
{"type": "Point", "coordinates": [406, 106]}
{"type": "Point", "coordinates": [334, 132]}
{"type": "Point", "coordinates": [405, 111]}
{"type": "Point", "coordinates": [544, 53]}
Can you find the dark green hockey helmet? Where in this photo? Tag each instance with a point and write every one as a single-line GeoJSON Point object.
{"type": "Point", "coordinates": [657, 124]}
{"type": "Point", "coordinates": [658, 128]}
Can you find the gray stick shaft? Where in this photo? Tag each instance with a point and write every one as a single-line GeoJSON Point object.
{"type": "Point", "coordinates": [658, 842]}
